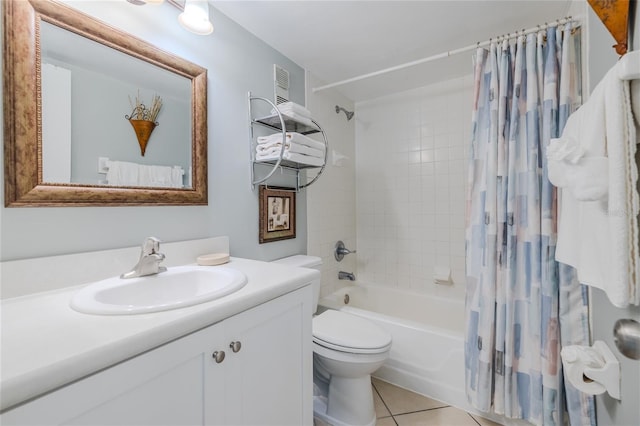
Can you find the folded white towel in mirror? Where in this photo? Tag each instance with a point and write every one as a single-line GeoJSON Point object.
{"type": "Point", "coordinates": [124, 173]}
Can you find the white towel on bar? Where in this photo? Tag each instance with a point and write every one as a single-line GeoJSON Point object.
{"type": "Point", "coordinates": [296, 158]}
{"type": "Point", "coordinates": [292, 137]}
{"type": "Point", "coordinates": [593, 165]}
{"type": "Point", "coordinates": [124, 173]}
{"type": "Point", "coordinates": [159, 176]}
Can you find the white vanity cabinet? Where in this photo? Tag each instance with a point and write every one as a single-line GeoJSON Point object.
{"type": "Point", "coordinates": [266, 381]}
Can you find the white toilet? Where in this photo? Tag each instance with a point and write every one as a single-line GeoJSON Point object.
{"type": "Point", "coordinates": [346, 350]}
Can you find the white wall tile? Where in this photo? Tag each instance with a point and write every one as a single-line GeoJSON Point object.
{"type": "Point", "coordinates": [331, 201]}
{"type": "Point", "coordinates": [410, 207]}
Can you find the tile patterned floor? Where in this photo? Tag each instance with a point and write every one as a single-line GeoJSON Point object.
{"type": "Point", "coordinates": [399, 407]}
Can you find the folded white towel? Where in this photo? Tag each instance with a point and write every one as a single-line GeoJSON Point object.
{"type": "Point", "coordinates": [292, 107]}
{"type": "Point", "coordinates": [291, 156]}
{"type": "Point", "coordinates": [593, 164]}
{"type": "Point", "coordinates": [302, 119]}
{"type": "Point", "coordinates": [293, 137]}
{"type": "Point", "coordinates": [274, 148]}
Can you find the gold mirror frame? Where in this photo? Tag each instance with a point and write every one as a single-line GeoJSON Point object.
{"type": "Point", "coordinates": [23, 120]}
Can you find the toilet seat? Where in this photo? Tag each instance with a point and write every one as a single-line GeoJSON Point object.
{"type": "Point", "coordinates": [344, 332]}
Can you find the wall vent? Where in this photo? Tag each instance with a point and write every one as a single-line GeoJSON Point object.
{"type": "Point", "coordinates": [280, 84]}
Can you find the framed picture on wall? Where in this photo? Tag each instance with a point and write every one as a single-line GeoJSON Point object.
{"type": "Point", "coordinates": [277, 214]}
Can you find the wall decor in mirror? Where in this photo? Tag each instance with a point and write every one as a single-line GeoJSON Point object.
{"type": "Point", "coordinates": [68, 80]}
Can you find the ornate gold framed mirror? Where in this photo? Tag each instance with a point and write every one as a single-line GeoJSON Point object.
{"type": "Point", "coordinates": [29, 27]}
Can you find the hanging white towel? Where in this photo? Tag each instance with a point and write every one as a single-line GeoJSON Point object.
{"type": "Point", "coordinates": [122, 173]}
{"type": "Point", "coordinates": [158, 176]}
{"type": "Point", "coordinates": [593, 164]}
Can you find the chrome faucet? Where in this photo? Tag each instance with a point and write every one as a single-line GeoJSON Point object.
{"type": "Point", "coordinates": [149, 262]}
{"type": "Point", "coordinates": [341, 251]}
{"type": "Point", "coordinates": [346, 276]}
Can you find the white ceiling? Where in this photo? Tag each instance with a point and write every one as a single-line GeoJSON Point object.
{"type": "Point", "coordinates": [337, 40]}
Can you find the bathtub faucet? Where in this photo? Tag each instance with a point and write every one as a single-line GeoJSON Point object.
{"type": "Point", "coordinates": [346, 276]}
{"type": "Point", "coordinates": [341, 251]}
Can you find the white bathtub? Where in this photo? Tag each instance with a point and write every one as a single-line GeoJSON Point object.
{"type": "Point", "coordinates": [427, 353]}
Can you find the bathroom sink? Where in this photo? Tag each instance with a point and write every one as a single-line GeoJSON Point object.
{"type": "Point", "coordinates": [178, 287]}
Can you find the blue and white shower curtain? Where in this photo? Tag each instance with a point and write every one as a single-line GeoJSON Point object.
{"type": "Point", "coordinates": [521, 305]}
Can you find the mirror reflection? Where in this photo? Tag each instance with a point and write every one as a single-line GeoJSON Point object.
{"type": "Point", "coordinates": [88, 90]}
{"type": "Point", "coordinates": [71, 138]}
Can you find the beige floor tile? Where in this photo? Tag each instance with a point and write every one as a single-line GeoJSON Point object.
{"type": "Point", "coordinates": [381, 410]}
{"type": "Point", "coordinates": [448, 416]}
{"type": "Point", "coordinates": [403, 401]}
{"type": "Point", "coordinates": [484, 422]}
{"type": "Point", "coordinates": [387, 421]}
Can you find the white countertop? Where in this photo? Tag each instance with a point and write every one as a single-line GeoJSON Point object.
{"type": "Point", "coordinates": [45, 344]}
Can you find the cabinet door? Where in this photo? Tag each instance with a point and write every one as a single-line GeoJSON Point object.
{"type": "Point", "coordinates": [269, 380]}
{"type": "Point", "coordinates": [160, 387]}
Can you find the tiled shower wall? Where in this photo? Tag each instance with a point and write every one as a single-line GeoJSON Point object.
{"type": "Point", "coordinates": [411, 151]}
{"type": "Point", "coordinates": [331, 205]}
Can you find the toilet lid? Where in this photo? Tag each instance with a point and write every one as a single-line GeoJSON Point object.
{"type": "Point", "coordinates": [348, 333]}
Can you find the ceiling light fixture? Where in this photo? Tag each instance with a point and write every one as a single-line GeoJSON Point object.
{"type": "Point", "coordinates": [195, 17]}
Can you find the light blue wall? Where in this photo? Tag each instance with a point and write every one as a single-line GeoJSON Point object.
{"type": "Point", "coordinates": [237, 62]}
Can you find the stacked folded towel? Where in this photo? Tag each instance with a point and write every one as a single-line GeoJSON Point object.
{"type": "Point", "coordinates": [296, 112]}
{"type": "Point", "coordinates": [298, 148]}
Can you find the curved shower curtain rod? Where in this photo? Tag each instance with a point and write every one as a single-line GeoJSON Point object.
{"type": "Point", "coordinates": [448, 53]}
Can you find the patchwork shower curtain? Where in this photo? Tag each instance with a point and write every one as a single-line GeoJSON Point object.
{"type": "Point", "coordinates": [521, 305]}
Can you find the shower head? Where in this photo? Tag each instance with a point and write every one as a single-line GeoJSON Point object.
{"type": "Point", "coordinates": [349, 114]}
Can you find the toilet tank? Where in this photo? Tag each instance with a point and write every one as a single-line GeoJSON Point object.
{"type": "Point", "coordinates": [304, 261]}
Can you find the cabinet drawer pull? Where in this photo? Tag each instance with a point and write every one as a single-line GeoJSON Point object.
{"type": "Point", "coordinates": [235, 346]}
{"type": "Point", "coordinates": [218, 356]}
